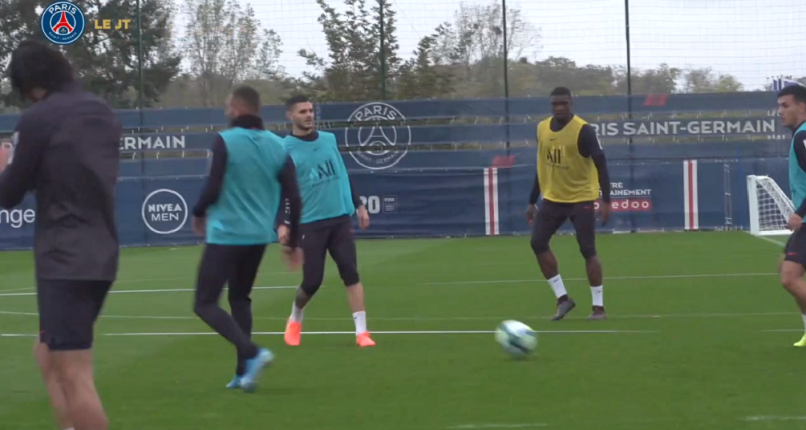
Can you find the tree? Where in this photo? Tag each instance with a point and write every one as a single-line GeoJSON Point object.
{"type": "Point", "coordinates": [225, 45]}
{"type": "Point", "coordinates": [582, 80]}
{"type": "Point", "coordinates": [105, 60]}
{"type": "Point", "coordinates": [705, 81]}
{"type": "Point", "coordinates": [425, 76]}
{"type": "Point", "coordinates": [361, 63]}
{"type": "Point", "coordinates": [474, 45]}
{"type": "Point", "coordinates": [662, 79]}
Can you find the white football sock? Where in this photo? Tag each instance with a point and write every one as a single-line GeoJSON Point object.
{"type": "Point", "coordinates": [597, 293]}
{"type": "Point", "coordinates": [296, 313]}
{"type": "Point", "coordinates": [804, 320]}
{"type": "Point", "coordinates": [557, 285]}
{"type": "Point", "coordinates": [360, 319]}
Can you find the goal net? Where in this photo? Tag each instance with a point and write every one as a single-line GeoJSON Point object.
{"type": "Point", "coordinates": [770, 208]}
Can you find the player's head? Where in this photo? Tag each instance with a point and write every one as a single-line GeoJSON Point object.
{"type": "Point", "coordinates": [299, 110]}
{"type": "Point", "coordinates": [37, 69]}
{"type": "Point", "coordinates": [561, 103]}
{"type": "Point", "coordinates": [243, 100]}
{"type": "Point", "coordinates": [792, 105]}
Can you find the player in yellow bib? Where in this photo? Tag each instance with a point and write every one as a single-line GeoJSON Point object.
{"type": "Point", "coordinates": [571, 167]}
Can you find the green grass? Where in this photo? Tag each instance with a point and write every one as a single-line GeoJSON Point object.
{"type": "Point", "coordinates": [705, 357]}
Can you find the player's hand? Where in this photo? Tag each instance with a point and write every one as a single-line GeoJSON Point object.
{"type": "Point", "coordinates": [531, 210]}
{"type": "Point", "coordinates": [199, 226]}
{"type": "Point", "coordinates": [292, 258]}
{"type": "Point", "coordinates": [282, 234]}
{"type": "Point", "coordinates": [363, 218]}
{"type": "Point", "coordinates": [604, 212]}
{"type": "Point", "coordinates": [795, 222]}
{"type": "Point", "coordinates": [5, 154]}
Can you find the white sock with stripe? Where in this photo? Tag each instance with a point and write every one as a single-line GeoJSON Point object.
{"type": "Point", "coordinates": [360, 319]}
{"type": "Point", "coordinates": [597, 293]}
{"type": "Point", "coordinates": [557, 285]}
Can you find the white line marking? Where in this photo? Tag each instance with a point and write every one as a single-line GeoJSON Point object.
{"type": "Point", "coordinates": [426, 318]}
{"type": "Point", "coordinates": [501, 281]}
{"type": "Point", "coordinates": [608, 278]}
{"type": "Point", "coordinates": [770, 240]}
{"type": "Point", "coordinates": [173, 278]}
{"type": "Point", "coordinates": [171, 290]}
{"type": "Point", "coordinates": [774, 418]}
{"type": "Point", "coordinates": [12, 290]}
{"type": "Point", "coordinates": [279, 333]}
{"type": "Point", "coordinates": [497, 426]}
{"type": "Point", "coordinates": [783, 330]}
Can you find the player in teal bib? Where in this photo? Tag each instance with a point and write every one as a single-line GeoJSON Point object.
{"type": "Point", "coordinates": [792, 110]}
{"type": "Point", "coordinates": [321, 175]}
{"type": "Point", "coordinates": [328, 201]}
{"type": "Point", "coordinates": [236, 212]}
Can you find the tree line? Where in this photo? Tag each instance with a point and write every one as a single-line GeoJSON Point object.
{"type": "Point", "coordinates": [227, 45]}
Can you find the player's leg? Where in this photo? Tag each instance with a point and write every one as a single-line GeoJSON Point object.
{"type": "Point", "coordinates": [217, 263]}
{"type": "Point", "coordinates": [342, 250]}
{"type": "Point", "coordinates": [792, 271]}
{"type": "Point", "coordinates": [314, 247]}
{"type": "Point", "coordinates": [583, 218]}
{"type": "Point", "coordinates": [58, 401]}
{"type": "Point", "coordinates": [68, 310]}
{"type": "Point", "coordinates": [550, 217]}
{"type": "Point", "coordinates": [241, 281]}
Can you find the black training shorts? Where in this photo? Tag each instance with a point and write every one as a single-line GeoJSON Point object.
{"type": "Point", "coordinates": [336, 238]}
{"type": "Point", "coordinates": [67, 312]}
{"type": "Point", "coordinates": [551, 216]}
{"type": "Point", "coordinates": [795, 249]}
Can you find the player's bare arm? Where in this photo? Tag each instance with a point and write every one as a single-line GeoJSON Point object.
{"type": "Point", "coordinates": [361, 210]}
{"type": "Point", "coordinates": [534, 195]}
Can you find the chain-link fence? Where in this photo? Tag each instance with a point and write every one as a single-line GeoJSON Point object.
{"type": "Point", "coordinates": [189, 53]}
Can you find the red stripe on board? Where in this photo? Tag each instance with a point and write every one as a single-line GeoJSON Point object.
{"type": "Point", "coordinates": [691, 213]}
{"type": "Point", "coordinates": [490, 189]}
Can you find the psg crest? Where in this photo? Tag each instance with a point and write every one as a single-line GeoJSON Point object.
{"type": "Point", "coordinates": [63, 22]}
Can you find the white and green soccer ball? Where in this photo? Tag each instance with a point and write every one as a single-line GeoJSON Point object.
{"type": "Point", "coordinates": [516, 338]}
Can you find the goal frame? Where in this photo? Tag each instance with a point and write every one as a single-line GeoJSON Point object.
{"type": "Point", "coordinates": [752, 203]}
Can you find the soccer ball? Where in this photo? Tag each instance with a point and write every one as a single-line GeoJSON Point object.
{"type": "Point", "coordinates": [516, 338]}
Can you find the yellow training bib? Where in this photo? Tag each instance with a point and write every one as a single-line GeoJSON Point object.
{"type": "Point", "coordinates": [565, 175]}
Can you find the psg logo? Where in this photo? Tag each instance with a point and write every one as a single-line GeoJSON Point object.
{"type": "Point", "coordinates": [62, 22]}
{"type": "Point", "coordinates": [382, 146]}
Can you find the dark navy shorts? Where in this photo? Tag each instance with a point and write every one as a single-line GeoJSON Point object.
{"type": "Point", "coordinates": [335, 238]}
{"type": "Point", "coordinates": [68, 310]}
{"type": "Point", "coordinates": [795, 249]}
{"type": "Point", "coordinates": [551, 216]}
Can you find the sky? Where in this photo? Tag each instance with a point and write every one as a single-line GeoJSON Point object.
{"type": "Point", "coordinates": [750, 39]}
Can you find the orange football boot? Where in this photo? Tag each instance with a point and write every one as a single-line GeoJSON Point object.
{"type": "Point", "coordinates": [363, 340]}
{"type": "Point", "coordinates": [293, 333]}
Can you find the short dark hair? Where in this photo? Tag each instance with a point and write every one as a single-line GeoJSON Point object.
{"type": "Point", "coordinates": [293, 101]}
{"type": "Point", "coordinates": [249, 96]}
{"type": "Point", "coordinates": [798, 92]}
{"type": "Point", "coordinates": [561, 91]}
{"type": "Point", "coordinates": [37, 65]}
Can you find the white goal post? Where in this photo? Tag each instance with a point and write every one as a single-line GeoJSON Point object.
{"type": "Point", "coordinates": [770, 208]}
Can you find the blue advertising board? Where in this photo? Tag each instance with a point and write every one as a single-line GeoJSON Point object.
{"type": "Point", "coordinates": [647, 195]}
